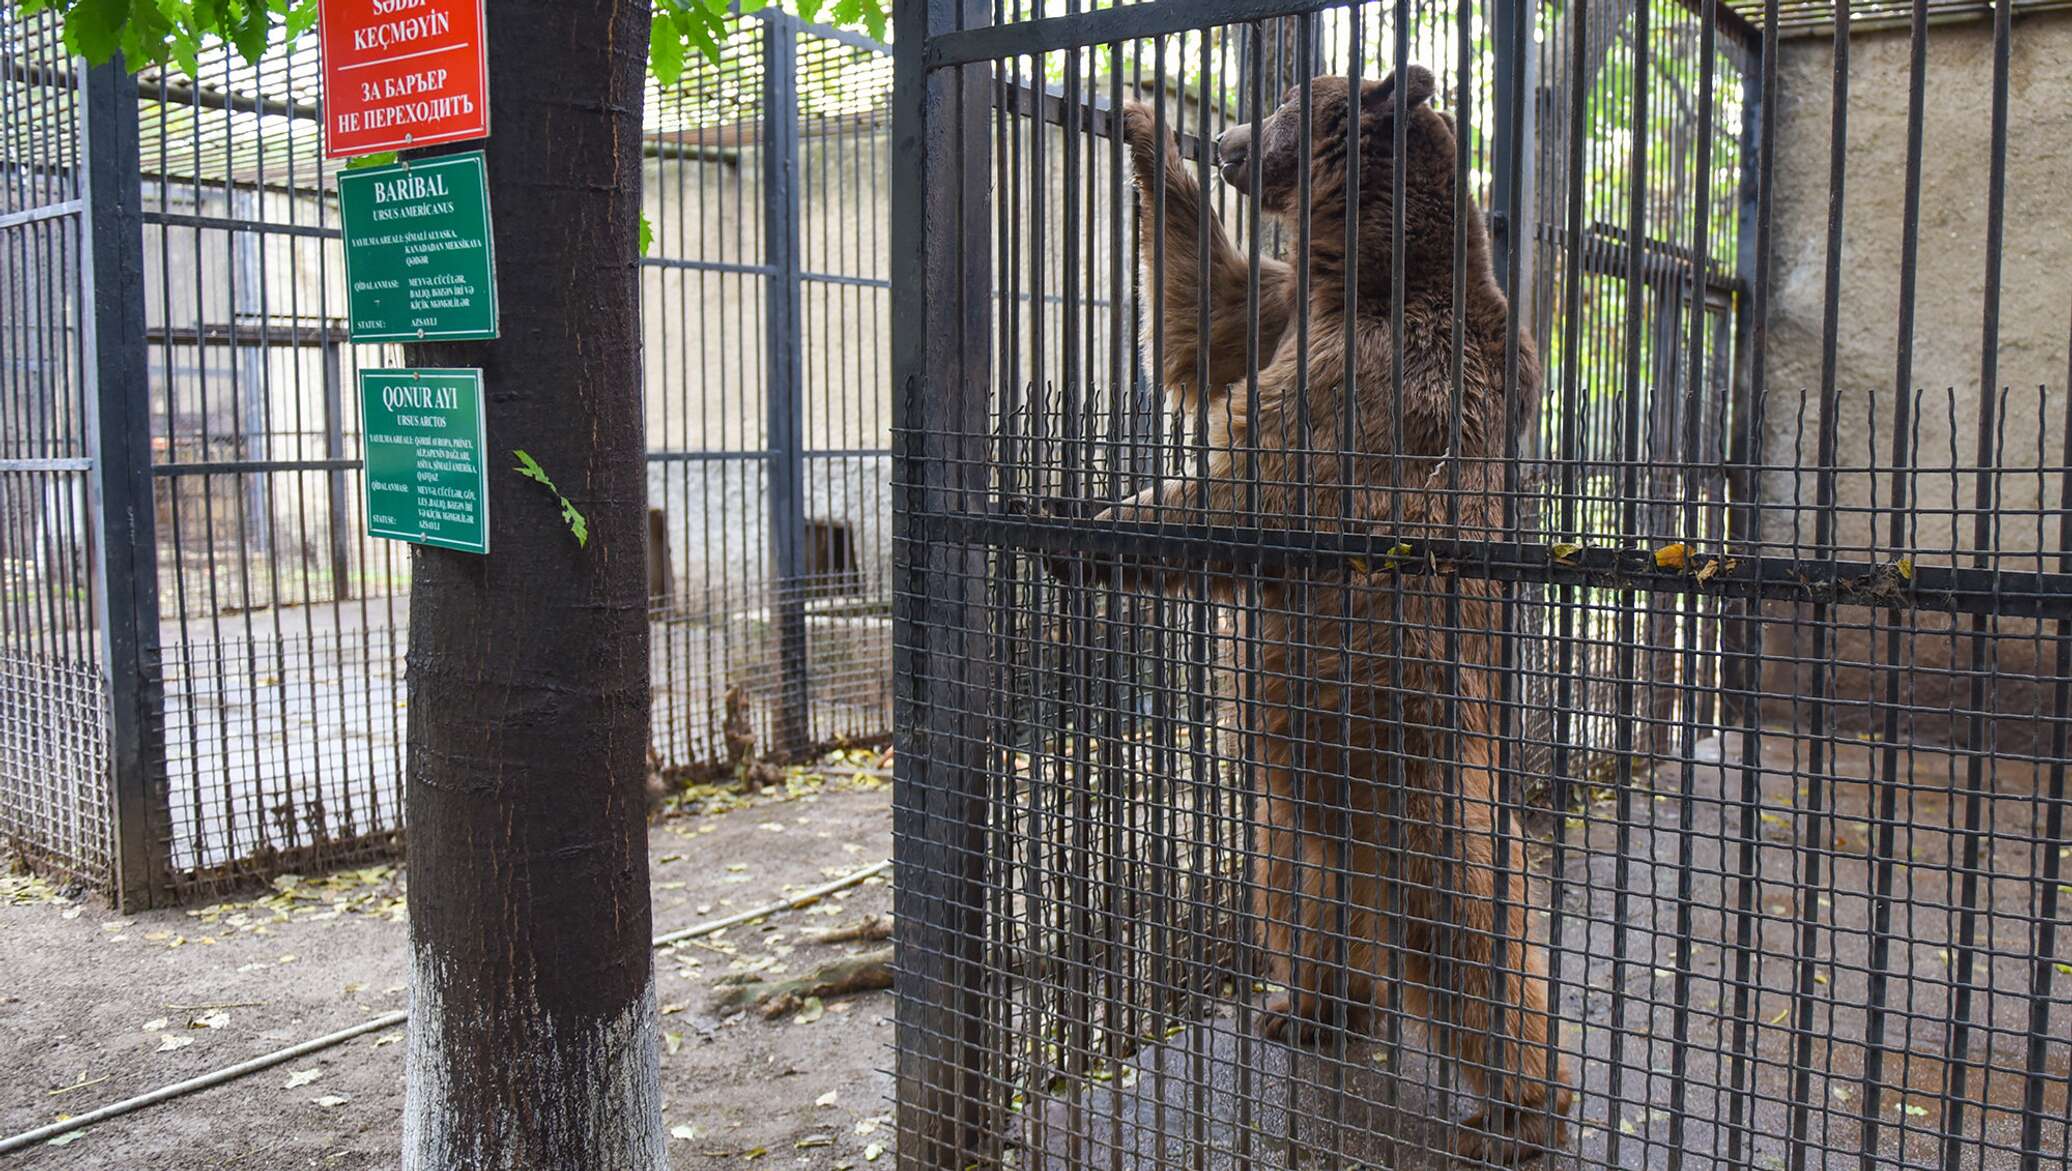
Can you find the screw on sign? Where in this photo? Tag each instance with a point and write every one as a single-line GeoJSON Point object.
{"type": "Point", "coordinates": [402, 73]}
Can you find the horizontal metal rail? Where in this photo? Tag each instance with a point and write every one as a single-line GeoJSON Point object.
{"type": "Point", "coordinates": [53, 211]}
{"type": "Point", "coordinates": [173, 219]}
{"type": "Point", "coordinates": [1889, 586]}
{"type": "Point", "coordinates": [226, 467]}
{"type": "Point", "coordinates": [1095, 117]}
{"type": "Point", "coordinates": [1100, 27]}
{"type": "Point", "coordinates": [231, 467]}
{"type": "Point", "coordinates": [46, 465]}
{"type": "Point", "coordinates": [1168, 18]}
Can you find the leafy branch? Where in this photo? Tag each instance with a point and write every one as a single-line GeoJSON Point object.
{"type": "Point", "coordinates": [530, 468]}
{"type": "Point", "coordinates": [681, 25]}
{"type": "Point", "coordinates": [155, 32]}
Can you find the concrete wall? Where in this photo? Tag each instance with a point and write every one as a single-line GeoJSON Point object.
{"type": "Point", "coordinates": [2036, 302]}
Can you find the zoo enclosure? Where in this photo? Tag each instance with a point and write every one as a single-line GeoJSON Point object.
{"type": "Point", "coordinates": [1783, 577]}
{"type": "Point", "coordinates": [201, 656]}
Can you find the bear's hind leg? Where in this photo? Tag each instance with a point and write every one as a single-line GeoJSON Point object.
{"type": "Point", "coordinates": [1501, 1028]}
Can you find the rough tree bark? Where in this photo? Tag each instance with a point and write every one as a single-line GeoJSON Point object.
{"type": "Point", "coordinates": [532, 1019]}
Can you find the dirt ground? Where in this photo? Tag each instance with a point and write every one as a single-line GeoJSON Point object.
{"type": "Point", "coordinates": [96, 1007]}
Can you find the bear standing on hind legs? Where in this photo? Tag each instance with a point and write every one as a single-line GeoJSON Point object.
{"type": "Point", "coordinates": [1380, 835]}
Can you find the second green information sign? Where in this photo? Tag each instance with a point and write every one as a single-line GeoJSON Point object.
{"type": "Point", "coordinates": [419, 261]}
{"type": "Point", "coordinates": [427, 480]}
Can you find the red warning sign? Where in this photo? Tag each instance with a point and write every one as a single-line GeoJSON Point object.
{"type": "Point", "coordinates": [402, 73]}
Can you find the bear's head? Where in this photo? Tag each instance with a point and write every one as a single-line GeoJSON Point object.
{"type": "Point", "coordinates": [1271, 150]}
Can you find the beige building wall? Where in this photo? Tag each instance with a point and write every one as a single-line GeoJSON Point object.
{"type": "Point", "coordinates": [2035, 318]}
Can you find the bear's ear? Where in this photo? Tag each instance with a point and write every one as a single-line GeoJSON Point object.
{"type": "Point", "coordinates": [1418, 88]}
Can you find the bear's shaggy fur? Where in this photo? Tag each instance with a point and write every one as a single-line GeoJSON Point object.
{"type": "Point", "coordinates": [1379, 833]}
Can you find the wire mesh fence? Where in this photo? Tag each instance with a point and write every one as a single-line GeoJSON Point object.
{"type": "Point", "coordinates": [1480, 583]}
{"type": "Point", "coordinates": [277, 632]}
{"type": "Point", "coordinates": [52, 803]}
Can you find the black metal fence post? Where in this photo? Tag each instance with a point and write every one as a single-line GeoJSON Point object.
{"type": "Point", "coordinates": [942, 285]}
{"type": "Point", "coordinates": [338, 515]}
{"type": "Point", "coordinates": [785, 396]}
{"type": "Point", "coordinates": [125, 555]}
{"type": "Point", "coordinates": [1516, 69]}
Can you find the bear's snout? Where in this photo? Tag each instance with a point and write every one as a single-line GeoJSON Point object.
{"type": "Point", "coordinates": [1234, 155]}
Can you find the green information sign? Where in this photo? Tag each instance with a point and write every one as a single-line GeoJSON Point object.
{"type": "Point", "coordinates": [419, 261]}
{"type": "Point", "coordinates": [426, 477]}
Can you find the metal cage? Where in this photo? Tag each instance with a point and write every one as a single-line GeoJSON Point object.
{"type": "Point", "coordinates": [1617, 717]}
{"type": "Point", "coordinates": [201, 653]}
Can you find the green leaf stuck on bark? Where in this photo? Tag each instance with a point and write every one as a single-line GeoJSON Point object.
{"type": "Point", "coordinates": [530, 468]}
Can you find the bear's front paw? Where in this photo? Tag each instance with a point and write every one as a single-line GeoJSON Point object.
{"type": "Point", "coordinates": [1069, 567]}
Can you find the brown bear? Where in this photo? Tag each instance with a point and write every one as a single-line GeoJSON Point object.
{"type": "Point", "coordinates": [1369, 727]}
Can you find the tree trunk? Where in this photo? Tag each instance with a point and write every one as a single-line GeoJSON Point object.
{"type": "Point", "coordinates": [532, 1023]}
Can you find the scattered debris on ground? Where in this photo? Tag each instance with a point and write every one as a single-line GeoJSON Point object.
{"type": "Point", "coordinates": [774, 998]}
{"type": "Point", "coordinates": [100, 1007]}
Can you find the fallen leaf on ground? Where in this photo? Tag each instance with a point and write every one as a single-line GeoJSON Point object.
{"type": "Point", "coordinates": [683, 1130]}
{"type": "Point", "coordinates": [329, 1100]}
{"type": "Point", "coordinates": [67, 1138]}
{"type": "Point", "coordinates": [169, 1043]}
{"type": "Point", "coordinates": [827, 1099]}
{"type": "Point", "coordinates": [210, 1020]}
{"type": "Point", "coordinates": [302, 1077]}
{"type": "Point", "coordinates": [672, 1041]}
{"type": "Point", "coordinates": [154, 1024]}
{"type": "Point", "coordinates": [810, 1010]}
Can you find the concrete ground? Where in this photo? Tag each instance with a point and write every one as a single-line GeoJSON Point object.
{"type": "Point", "coordinates": [1654, 1054]}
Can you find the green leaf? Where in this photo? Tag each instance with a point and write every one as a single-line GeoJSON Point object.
{"type": "Point", "coordinates": [146, 35]}
{"type": "Point", "coordinates": [665, 51]}
{"type": "Point", "coordinates": [206, 15]}
{"type": "Point", "coordinates": [647, 234]}
{"type": "Point", "coordinates": [809, 9]}
{"type": "Point", "coordinates": [530, 468]}
{"type": "Point", "coordinates": [93, 28]}
{"type": "Point", "coordinates": [704, 30]}
{"type": "Point", "coordinates": [250, 33]}
{"type": "Point", "coordinates": [301, 19]}
{"type": "Point", "coordinates": [577, 524]}
{"type": "Point", "coordinates": [380, 158]}
{"type": "Point", "coordinates": [751, 7]}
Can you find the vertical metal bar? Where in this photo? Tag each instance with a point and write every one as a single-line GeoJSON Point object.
{"type": "Point", "coordinates": [125, 564]}
{"type": "Point", "coordinates": [2049, 892]}
{"type": "Point", "coordinates": [784, 397]}
{"type": "Point", "coordinates": [942, 369]}
{"type": "Point", "coordinates": [1511, 171]}
{"type": "Point", "coordinates": [339, 515]}
{"type": "Point", "coordinates": [1889, 775]}
{"type": "Point", "coordinates": [1985, 530]}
